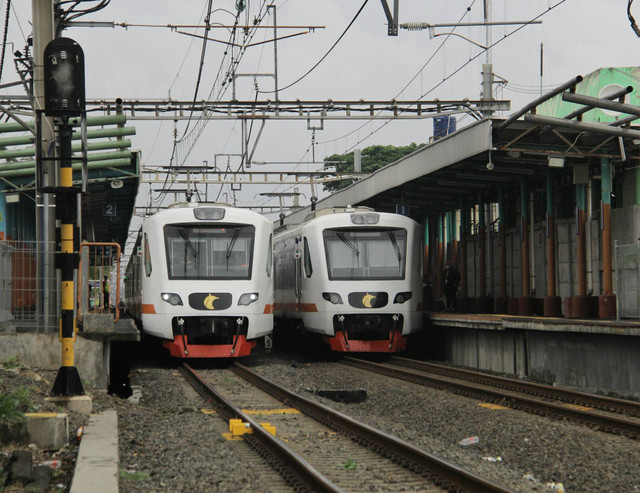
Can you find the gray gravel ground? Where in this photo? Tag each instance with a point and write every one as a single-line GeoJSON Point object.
{"type": "Point", "coordinates": [535, 452]}
{"type": "Point", "coordinates": [167, 443]}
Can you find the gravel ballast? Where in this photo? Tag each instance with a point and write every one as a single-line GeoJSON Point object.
{"type": "Point", "coordinates": [170, 441]}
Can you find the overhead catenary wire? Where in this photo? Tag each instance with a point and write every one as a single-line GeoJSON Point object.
{"type": "Point", "coordinates": [325, 55]}
{"type": "Point", "coordinates": [455, 72]}
{"type": "Point", "coordinates": [4, 37]}
{"type": "Point", "coordinates": [420, 71]}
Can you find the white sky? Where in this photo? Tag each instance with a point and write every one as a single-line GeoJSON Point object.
{"type": "Point", "coordinates": [579, 36]}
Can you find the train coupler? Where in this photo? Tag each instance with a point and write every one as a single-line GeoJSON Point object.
{"type": "Point", "coordinates": [396, 317]}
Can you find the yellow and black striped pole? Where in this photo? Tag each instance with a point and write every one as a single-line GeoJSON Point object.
{"type": "Point", "coordinates": [68, 381]}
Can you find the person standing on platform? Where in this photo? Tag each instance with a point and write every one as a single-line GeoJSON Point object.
{"type": "Point", "coordinates": [450, 283]}
{"type": "Point", "coordinates": [105, 292]}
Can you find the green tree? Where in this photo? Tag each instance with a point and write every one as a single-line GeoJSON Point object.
{"type": "Point", "coordinates": [373, 157]}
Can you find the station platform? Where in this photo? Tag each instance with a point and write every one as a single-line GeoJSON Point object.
{"type": "Point", "coordinates": [591, 355]}
{"type": "Point", "coordinates": [92, 347]}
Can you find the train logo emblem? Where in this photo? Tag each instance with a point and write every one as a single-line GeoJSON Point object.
{"type": "Point", "coordinates": [367, 299]}
{"type": "Point", "coordinates": [209, 301]}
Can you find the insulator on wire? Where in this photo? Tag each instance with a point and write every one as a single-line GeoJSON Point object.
{"type": "Point", "coordinates": [414, 26]}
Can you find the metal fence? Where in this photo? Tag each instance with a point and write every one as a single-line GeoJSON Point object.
{"type": "Point", "coordinates": [28, 297]}
{"type": "Point", "coordinates": [628, 280]}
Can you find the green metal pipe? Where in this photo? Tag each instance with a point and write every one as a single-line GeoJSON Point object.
{"type": "Point", "coordinates": [524, 193]}
{"type": "Point", "coordinates": [110, 163]}
{"type": "Point", "coordinates": [91, 134]}
{"type": "Point", "coordinates": [91, 146]}
{"type": "Point", "coordinates": [107, 132]}
{"type": "Point", "coordinates": [90, 158]}
{"type": "Point", "coordinates": [92, 121]}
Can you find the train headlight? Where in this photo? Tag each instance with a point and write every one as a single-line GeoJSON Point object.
{"type": "Point", "coordinates": [248, 298]}
{"type": "Point", "coordinates": [209, 213]}
{"type": "Point", "coordinates": [366, 218]}
{"type": "Point", "coordinates": [402, 297]}
{"type": "Point", "coordinates": [172, 298]}
{"type": "Point", "coordinates": [334, 298]}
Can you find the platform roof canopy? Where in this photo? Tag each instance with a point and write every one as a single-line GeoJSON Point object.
{"type": "Point", "coordinates": [496, 151]}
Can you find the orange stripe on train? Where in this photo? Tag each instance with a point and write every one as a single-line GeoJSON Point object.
{"type": "Point", "coordinates": [294, 307]}
{"type": "Point", "coordinates": [148, 308]}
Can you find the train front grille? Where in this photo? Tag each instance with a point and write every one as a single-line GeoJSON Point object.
{"type": "Point", "coordinates": [370, 327]}
{"type": "Point", "coordinates": [210, 330]}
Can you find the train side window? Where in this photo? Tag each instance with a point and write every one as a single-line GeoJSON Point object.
{"type": "Point", "coordinates": [308, 268]}
{"type": "Point", "coordinates": [270, 256]}
{"type": "Point", "coordinates": [147, 256]}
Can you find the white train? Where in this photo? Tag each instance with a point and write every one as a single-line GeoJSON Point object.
{"type": "Point", "coordinates": [201, 278]}
{"type": "Point", "coordinates": [352, 275]}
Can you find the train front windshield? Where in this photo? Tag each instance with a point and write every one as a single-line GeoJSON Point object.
{"type": "Point", "coordinates": [209, 252]}
{"type": "Point", "coordinates": [365, 253]}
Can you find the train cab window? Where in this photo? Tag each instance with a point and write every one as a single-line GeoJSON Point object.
{"type": "Point", "coordinates": [308, 268]}
{"type": "Point", "coordinates": [270, 256]}
{"type": "Point", "coordinates": [147, 256]}
{"type": "Point", "coordinates": [365, 253]}
{"type": "Point", "coordinates": [221, 251]}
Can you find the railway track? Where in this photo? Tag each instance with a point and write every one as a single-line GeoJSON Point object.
{"type": "Point", "coordinates": [319, 449]}
{"type": "Point", "coordinates": [603, 413]}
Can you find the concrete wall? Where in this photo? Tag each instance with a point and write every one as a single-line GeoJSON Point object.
{"type": "Point", "coordinates": [588, 362]}
{"type": "Point", "coordinates": [44, 351]}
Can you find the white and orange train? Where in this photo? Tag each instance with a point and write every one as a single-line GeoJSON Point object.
{"type": "Point", "coordinates": [201, 279]}
{"type": "Point", "coordinates": [352, 275]}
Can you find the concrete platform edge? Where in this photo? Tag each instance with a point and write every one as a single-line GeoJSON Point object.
{"type": "Point", "coordinates": [97, 466]}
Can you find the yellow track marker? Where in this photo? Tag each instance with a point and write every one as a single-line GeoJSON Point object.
{"type": "Point", "coordinates": [494, 407]}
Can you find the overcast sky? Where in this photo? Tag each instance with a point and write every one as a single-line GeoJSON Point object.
{"type": "Point", "coordinates": [579, 36]}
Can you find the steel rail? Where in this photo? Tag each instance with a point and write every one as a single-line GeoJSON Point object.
{"type": "Point", "coordinates": [291, 465]}
{"type": "Point", "coordinates": [504, 398]}
{"type": "Point", "coordinates": [582, 398]}
{"type": "Point", "coordinates": [444, 473]}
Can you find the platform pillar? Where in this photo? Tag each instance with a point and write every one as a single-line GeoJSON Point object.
{"type": "Point", "coordinates": [526, 303]}
{"type": "Point", "coordinates": [439, 265]}
{"type": "Point", "coordinates": [552, 302]}
{"type": "Point", "coordinates": [501, 304]}
{"type": "Point", "coordinates": [463, 302]}
{"type": "Point", "coordinates": [607, 301]}
{"type": "Point", "coordinates": [483, 303]}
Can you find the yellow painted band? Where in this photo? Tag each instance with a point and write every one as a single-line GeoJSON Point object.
{"type": "Point", "coordinates": [66, 177]}
{"type": "Point", "coordinates": [67, 351]}
{"type": "Point", "coordinates": [66, 238]}
{"type": "Point", "coordinates": [67, 295]}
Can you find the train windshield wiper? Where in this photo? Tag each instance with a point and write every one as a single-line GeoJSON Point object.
{"type": "Point", "coordinates": [236, 233]}
{"type": "Point", "coordinates": [353, 247]}
{"type": "Point", "coordinates": [188, 243]}
{"type": "Point", "coordinates": [392, 237]}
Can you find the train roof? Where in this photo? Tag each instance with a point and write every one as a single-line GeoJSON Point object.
{"type": "Point", "coordinates": [325, 214]}
{"type": "Point", "coordinates": [180, 211]}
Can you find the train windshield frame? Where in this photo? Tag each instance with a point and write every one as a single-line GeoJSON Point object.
{"type": "Point", "coordinates": [365, 253]}
{"type": "Point", "coordinates": [209, 251]}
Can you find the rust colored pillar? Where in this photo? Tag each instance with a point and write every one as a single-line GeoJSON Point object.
{"type": "Point", "coordinates": [439, 265]}
{"type": "Point", "coordinates": [526, 303]}
{"type": "Point", "coordinates": [455, 244]}
{"type": "Point", "coordinates": [463, 302]}
{"type": "Point", "coordinates": [483, 302]}
{"type": "Point", "coordinates": [552, 302]}
{"type": "Point", "coordinates": [579, 306]}
{"type": "Point", "coordinates": [502, 304]}
{"type": "Point", "coordinates": [606, 301]}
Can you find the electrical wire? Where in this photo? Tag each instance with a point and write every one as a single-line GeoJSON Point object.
{"type": "Point", "coordinates": [445, 79]}
{"type": "Point", "coordinates": [4, 36]}
{"type": "Point", "coordinates": [325, 55]}
{"type": "Point", "coordinates": [429, 60]}
{"type": "Point", "coordinates": [634, 26]}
